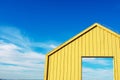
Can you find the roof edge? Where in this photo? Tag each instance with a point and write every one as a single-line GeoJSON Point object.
{"type": "Point", "coordinates": [79, 34]}
{"type": "Point", "coordinates": [107, 29]}
{"type": "Point", "coordinates": [71, 39]}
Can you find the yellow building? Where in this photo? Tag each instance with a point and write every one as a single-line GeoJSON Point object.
{"type": "Point", "coordinates": [64, 62]}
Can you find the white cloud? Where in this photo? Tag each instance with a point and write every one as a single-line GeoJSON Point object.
{"type": "Point", "coordinates": [53, 46]}
{"type": "Point", "coordinates": [48, 45]}
{"type": "Point", "coordinates": [14, 36]}
{"type": "Point", "coordinates": [13, 59]}
{"type": "Point", "coordinates": [8, 46]}
{"type": "Point", "coordinates": [103, 70]}
{"type": "Point", "coordinates": [17, 56]}
{"type": "Point", "coordinates": [97, 74]}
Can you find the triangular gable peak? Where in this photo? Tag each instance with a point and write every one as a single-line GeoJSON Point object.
{"type": "Point", "coordinates": [80, 34]}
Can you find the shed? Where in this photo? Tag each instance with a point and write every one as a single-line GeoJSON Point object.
{"type": "Point", "coordinates": [64, 62]}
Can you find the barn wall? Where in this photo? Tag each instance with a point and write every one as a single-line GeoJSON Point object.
{"type": "Point", "coordinates": [65, 64]}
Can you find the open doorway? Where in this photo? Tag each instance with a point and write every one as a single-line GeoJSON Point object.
{"type": "Point", "coordinates": [97, 68]}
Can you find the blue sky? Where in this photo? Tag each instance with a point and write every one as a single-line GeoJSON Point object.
{"type": "Point", "coordinates": [31, 28]}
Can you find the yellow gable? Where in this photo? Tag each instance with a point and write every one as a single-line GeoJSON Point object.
{"type": "Point", "coordinates": [64, 62]}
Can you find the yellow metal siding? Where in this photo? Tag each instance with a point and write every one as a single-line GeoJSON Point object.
{"type": "Point", "coordinates": [65, 63]}
{"type": "Point", "coordinates": [79, 58]}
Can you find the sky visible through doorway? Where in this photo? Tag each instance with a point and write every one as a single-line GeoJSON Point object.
{"type": "Point", "coordinates": [97, 68]}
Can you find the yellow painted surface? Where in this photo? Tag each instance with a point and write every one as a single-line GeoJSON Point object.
{"type": "Point", "coordinates": [64, 62]}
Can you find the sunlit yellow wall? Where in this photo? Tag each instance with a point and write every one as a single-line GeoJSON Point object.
{"type": "Point", "coordinates": [64, 63]}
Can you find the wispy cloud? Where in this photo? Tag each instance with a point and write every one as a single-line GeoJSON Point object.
{"type": "Point", "coordinates": [45, 45]}
{"type": "Point", "coordinates": [99, 61]}
{"type": "Point", "coordinates": [17, 56]}
{"type": "Point", "coordinates": [97, 69]}
{"type": "Point", "coordinates": [97, 74]}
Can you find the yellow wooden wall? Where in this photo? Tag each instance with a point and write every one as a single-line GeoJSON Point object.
{"type": "Point", "coordinates": [65, 63]}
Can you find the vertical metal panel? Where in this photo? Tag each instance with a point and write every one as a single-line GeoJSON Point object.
{"type": "Point", "coordinates": [62, 64]}
{"type": "Point", "coordinates": [50, 69]}
{"type": "Point", "coordinates": [83, 45]}
{"type": "Point", "coordinates": [90, 42]}
{"type": "Point", "coordinates": [87, 44]}
{"type": "Point", "coordinates": [58, 65]}
{"type": "Point", "coordinates": [114, 54]}
{"type": "Point", "coordinates": [69, 62]}
{"type": "Point", "coordinates": [65, 64]}
{"type": "Point", "coordinates": [117, 58]}
{"type": "Point", "coordinates": [106, 44]}
{"type": "Point", "coordinates": [98, 40]}
{"type": "Point", "coordinates": [102, 41]}
{"type": "Point", "coordinates": [94, 42]}
{"type": "Point", "coordinates": [72, 54]}
{"type": "Point", "coordinates": [55, 66]}
{"type": "Point", "coordinates": [79, 59]}
{"type": "Point", "coordinates": [110, 44]}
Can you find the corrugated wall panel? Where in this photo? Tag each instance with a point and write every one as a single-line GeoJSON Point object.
{"type": "Point", "coordinates": [72, 54]}
{"type": "Point", "coordinates": [90, 42]}
{"type": "Point", "coordinates": [62, 64]}
{"type": "Point", "coordinates": [94, 31]}
{"type": "Point", "coordinates": [69, 62]}
{"type": "Point", "coordinates": [51, 69]}
{"type": "Point", "coordinates": [87, 45]}
{"type": "Point", "coordinates": [117, 58]}
{"type": "Point", "coordinates": [106, 44]}
{"type": "Point", "coordinates": [58, 65]}
{"type": "Point", "coordinates": [79, 58]}
{"type": "Point", "coordinates": [113, 44]}
{"type": "Point", "coordinates": [98, 40]}
{"type": "Point", "coordinates": [102, 41]}
{"type": "Point", "coordinates": [65, 64]}
{"type": "Point", "coordinates": [114, 54]}
{"type": "Point", "coordinates": [48, 69]}
{"type": "Point", "coordinates": [109, 44]}
{"type": "Point", "coordinates": [83, 45]}
{"type": "Point", "coordinates": [55, 66]}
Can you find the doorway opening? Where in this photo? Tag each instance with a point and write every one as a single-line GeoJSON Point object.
{"type": "Point", "coordinates": [96, 68]}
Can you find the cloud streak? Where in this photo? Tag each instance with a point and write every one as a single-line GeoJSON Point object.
{"type": "Point", "coordinates": [97, 74]}
{"type": "Point", "coordinates": [99, 61]}
{"type": "Point", "coordinates": [97, 69]}
{"type": "Point", "coordinates": [17, 56]}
